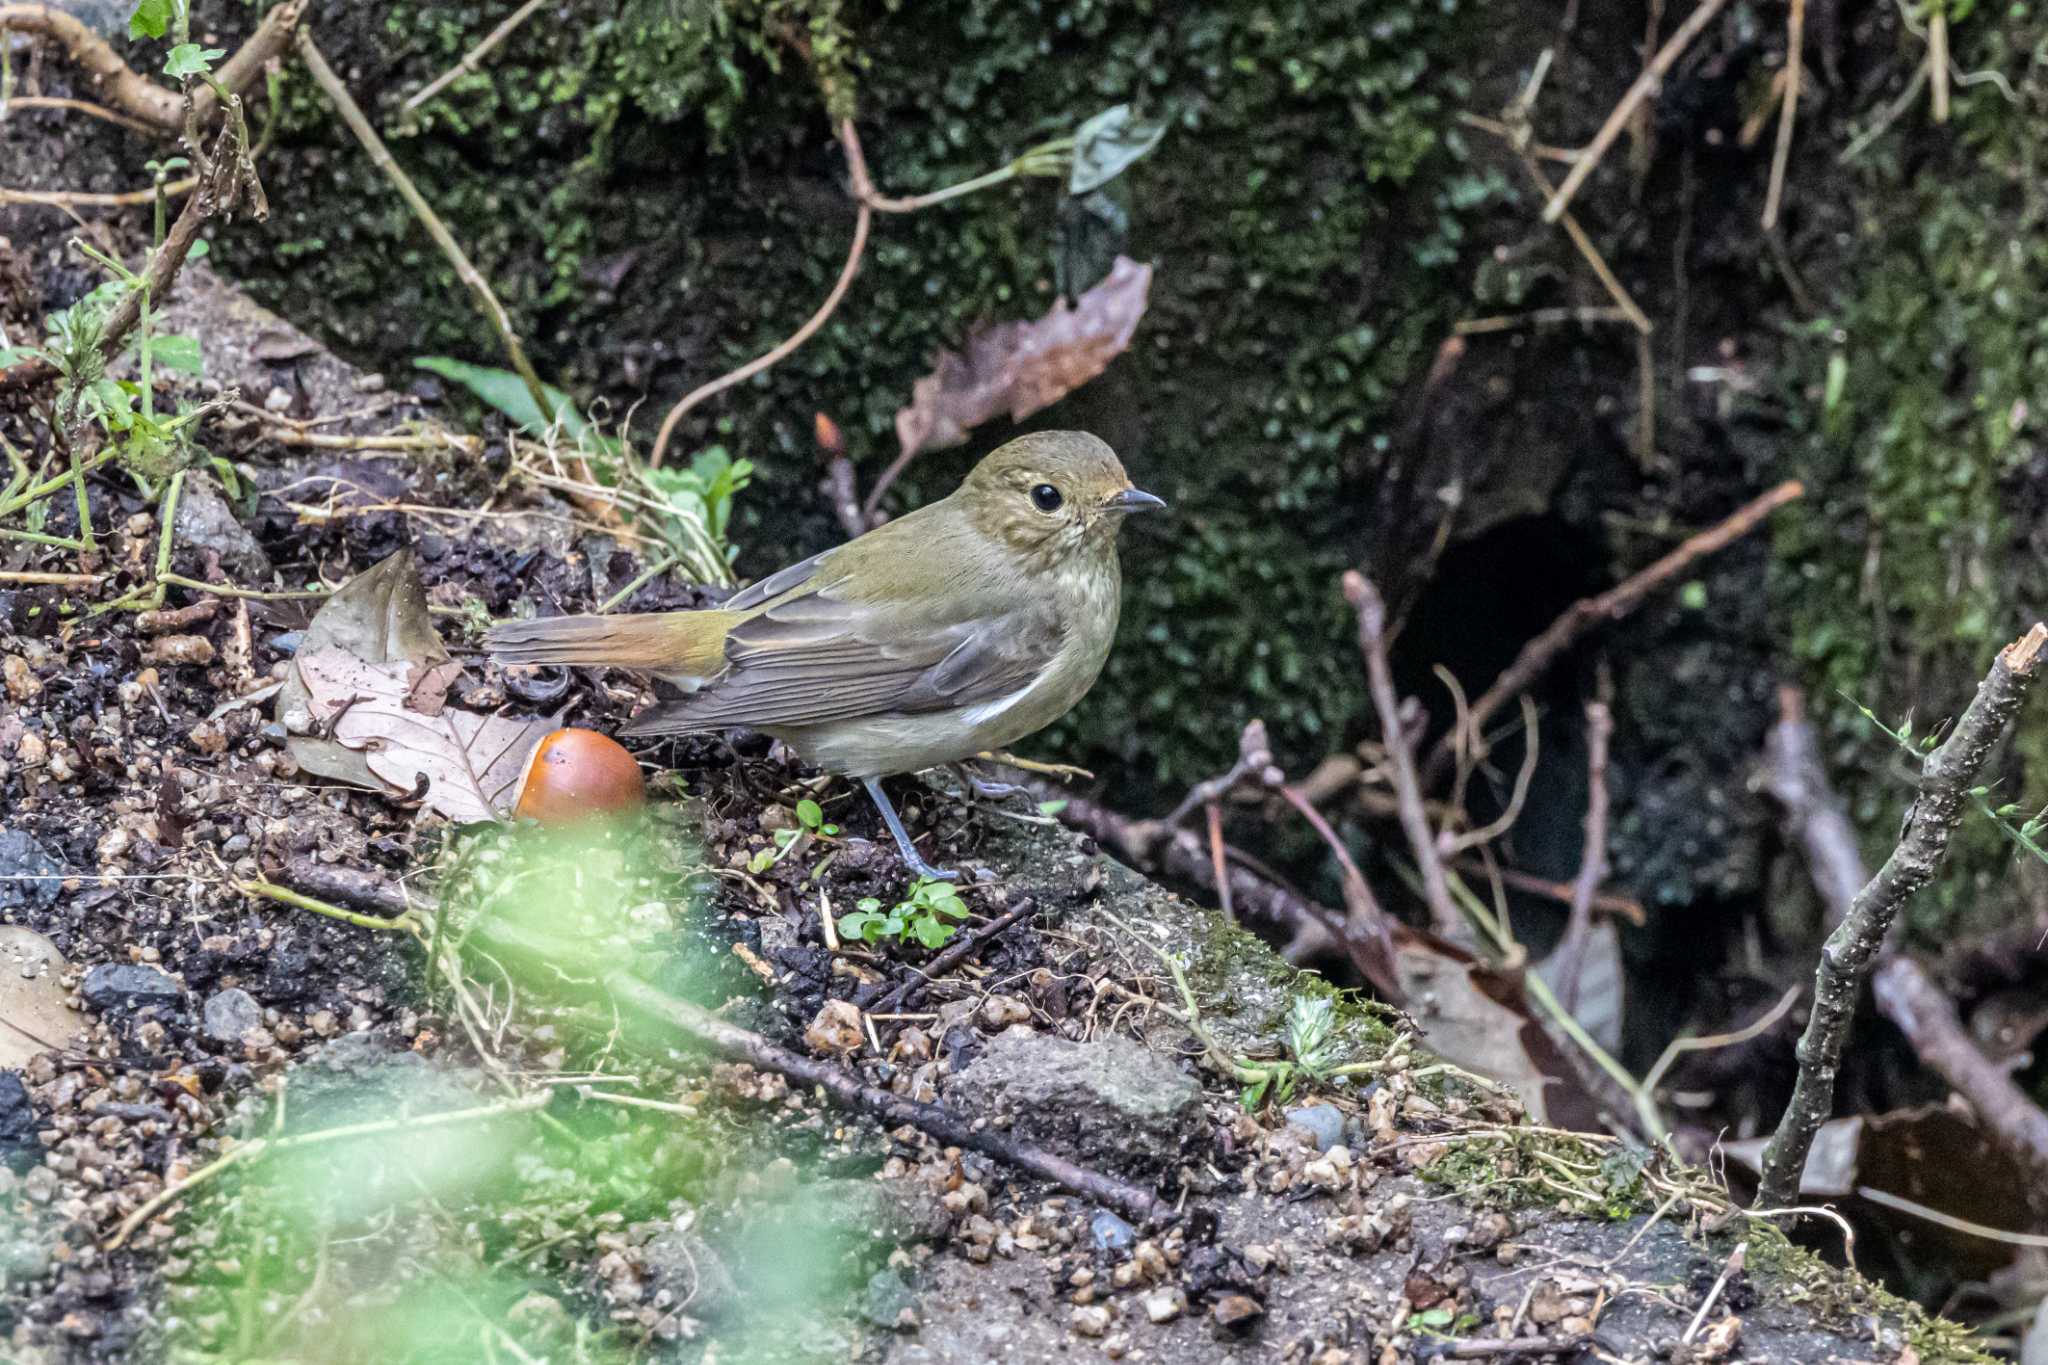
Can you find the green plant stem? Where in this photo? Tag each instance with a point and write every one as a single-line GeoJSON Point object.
{"type": "Point", "coordinates": [380, 156]}
{"type": "Point", "coordinates": [85, 536]}
{"type": "Point", "coordinates": [284, 895]}
{"type": "Point", "coordinates": [253, 594]}
{"type": "Point", "coordinates": [38, 538]}
{"type": "Point", "coordinates": [647, 575]}
{"type": "Point", "coordinates": [38, 492]}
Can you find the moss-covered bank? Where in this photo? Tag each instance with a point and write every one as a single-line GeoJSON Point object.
{"type": "Point", "coordinates": [653, 187]}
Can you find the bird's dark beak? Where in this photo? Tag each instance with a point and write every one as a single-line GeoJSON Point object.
{"type": "Point", "coordinates": [1136, 500]}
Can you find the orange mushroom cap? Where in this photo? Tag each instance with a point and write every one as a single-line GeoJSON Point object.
{"type": "Point", "coordinates": [575, 774]}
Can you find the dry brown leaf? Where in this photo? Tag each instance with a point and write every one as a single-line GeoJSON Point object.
{"type": "Point", "coordinates": [471, 763]}
{"type": "Point", "coordinates": [1021, 367]}
{"type": "Point", "coordinates": [35, 1005]}
{"type": "Point", "coordinates": [1479, 1018]}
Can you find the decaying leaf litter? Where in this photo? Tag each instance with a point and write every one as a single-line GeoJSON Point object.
{"type": "Point", "coordinates": [208, 1012]}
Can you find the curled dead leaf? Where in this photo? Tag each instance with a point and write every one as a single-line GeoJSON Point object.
{"type": "Point", "coordinates": [1020, 367]}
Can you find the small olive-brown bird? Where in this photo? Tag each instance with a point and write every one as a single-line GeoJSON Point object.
{"type": "Point", "coordinates": [957, 628]}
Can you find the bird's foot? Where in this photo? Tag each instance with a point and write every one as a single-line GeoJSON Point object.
{"type": "Point", "coordinates": [911, 857]}
{"type": "Point", "coordinates": [987, 789]}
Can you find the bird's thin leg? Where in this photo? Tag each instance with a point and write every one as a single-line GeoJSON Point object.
{"type": "Point", "coordinates": [909, 851]}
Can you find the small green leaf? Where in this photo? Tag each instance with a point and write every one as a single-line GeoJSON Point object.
{"type": "Point", "coordinates": [152, 19]}
{"type": "Point", "coordinates": [860, 925]}
{"type": "Point", "coordinates": [784, 837]}
{"type": "Point", "coordinates": [177, 352]}
{"type": "Point", "coordinates": [506, 392]}
{"type": "Point", "coordinates": [809, 813]}
{"type": "Point", "coordinates": [1052, 807]}
{"type": "Point", "coordinates": [761, 861]}
{"type": "Point", "coordinates": [200, 247]}
{"type": "Point", "coordinates": [869, 904]}
{"type": "Point", "coordinates": [189, 59]}
{"type": "Point", "coordinates": [1693, 596]}
{"type": "Point", "coordinates": [931, 932]}
{"type": "Point", "coordinates": [828, 830]}
{"type": "Point", "coordinates": [1106, 146]}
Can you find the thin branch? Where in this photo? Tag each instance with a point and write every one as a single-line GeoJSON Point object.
{"type": "Point", "coordinates": [1372, 644]}
{"type": "Point", "coordinates": [1944, 795]}
{"type": "Point", "coordinates": [1795, 42]}
{"type": "Point", "coordinates": [86, 107]}
{"type": "Point", "coordinates": [863, 218]}
{"type": "Point", "coordinates": [380, 156]}
{"type": "Point", "coordinates": [93, 199]}
{"type": "Point", "coordinates": [955, 954]}
{"type": "Point", "coordinates": [225, 193]}
{"type": "Point", "coordinates": [1593, 859]}
{"type": "Point", "coordinates": [138, 96]}
{"type": "Point", "coordinates": [1905, 991]}
{"type": "Point", "coordinates": [733, 1043]}
{"type": "Point", "coordinates": [1254, 764]}
{"type": "Point", "coordinates": [1601, 270]}
{"type": "Point", "coordinates": [471, 58]}
{"type": "Point", "coordinates": [1539, 654]}
{"type": "Point", "coordinates": [1643, 88]}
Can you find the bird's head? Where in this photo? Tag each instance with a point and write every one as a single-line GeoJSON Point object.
{"type": "Point", "coordinates": [1052, 495]}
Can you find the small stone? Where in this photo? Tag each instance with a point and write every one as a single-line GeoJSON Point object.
{"type": "Point", "coordinates": [229, 1015]}
{"type": "Point", "coordinates": [1236, 1314]}
{"type": "Point", "coordinates": [1001, 1011]}
{"type": "Point", "coordinates": [207, 736]}
{"type": "Point", "coordinates": [179, 649]}
{"type": "Point", "coordinates": [19, 1145]}
{"type": "Point", "coordinates": [1111, 1102]}
{"type": "Point", "coordinates": [1324, 1121]}
{"type": "Point", "coordinates": [21, 680]}
{"type": "Point", "coordinates": [123, 986]}
{"type": "Point", "coordinates": [1092, 1320]}
{"type": "Point", "coordinates": [1110, 1232]}
{"type": "Point", "coordinates": [837, 1029]}
{"type": "Point", "coordinates": [29, 877]}
{"type": "Point", "coordinates": [1166, 1304]}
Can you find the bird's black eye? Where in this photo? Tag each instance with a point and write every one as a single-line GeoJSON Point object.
{"type": "Point", "coordinates": [1046, 498]}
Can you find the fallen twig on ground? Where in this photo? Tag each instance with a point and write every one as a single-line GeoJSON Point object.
{"type": "Point", "coordinates": [1904, 990]}
{"type": "Point", "coordinates": [1541, 652]}
{"type": "Point", "coordinates": [1947, 776]}
{"type": "Point", "coordinates": [733, 1043]}
{"type": "Point", "coordinates": [959, 951]}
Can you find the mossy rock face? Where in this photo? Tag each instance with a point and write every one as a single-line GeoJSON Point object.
{"type": "Point", "coordinates": [1914, 402]}
{"type": "Point", "coordinates": [654, 189]}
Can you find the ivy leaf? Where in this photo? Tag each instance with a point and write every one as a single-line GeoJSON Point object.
{"type": "Point", "coordinates": [152, 19]}
{"type": "Point", "coordinates": [190, 59]}
{"type": "Point", "coordinates": [1106, 146]}
{"type": "Point", "coordinates": [177, 352]}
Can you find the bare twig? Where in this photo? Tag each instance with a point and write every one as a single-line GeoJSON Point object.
{"type": "Point", "coordinates": [1944, 794]}
{"type": "Point", "coordinates": [1795, 41]}
{"type": "Point", "coordinates": [1904, 990]}
{"type": "Point", "coordinates": [224, 194]}
{"type": "Point", "coordinates": [1709, 1042]}
{"type": "Point", "coordinates": [86, 107]}
{"type": "Point", "coordinates": [965, 947]}
{"type": "Point", "coordinates": [136, 95]}
{"type": "Point", "coordinates": [1728, 1272]}
{"type": "Point", "coordinates": [471, 58]}
{"type": "Point", "coordinates": [93, 199]}
{"type": "Point", "coordinates": [1601, 270]}
{"type": "Point", "coordinates": [1537, 656]}
{"type": "Point", "coordinates": [1159, 848]}
{"type": "Point", "coordinates": [1643, 88]}
{"type": "Point", "coordinates": [1372, 644]}
{"type": "Point", "coordinates": [1937, 60]}
{"type": "Point", "coordinates": [1593, 860]}
{"type": "Point", "coordinates": [862, 219]}
{"type": "Point", "coordinates": [380, 156]}
{"type": "Point", "coordinates": [724, 1039]}
{"type": "Point", "coordinates": [1627, 907]}
{"type": "Point", "coordinates": [1254, 765]}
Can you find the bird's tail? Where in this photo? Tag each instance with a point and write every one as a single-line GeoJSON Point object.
{"type": "Point", "coordinates": [680, 646]}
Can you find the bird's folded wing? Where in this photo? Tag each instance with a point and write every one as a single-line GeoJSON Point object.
{"type": "Point", "coordinates": [820, 657]}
